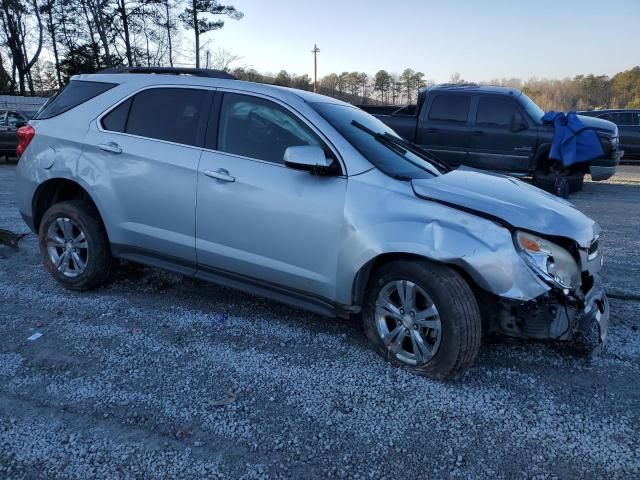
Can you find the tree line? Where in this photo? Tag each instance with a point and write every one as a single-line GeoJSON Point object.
{"type": "Point", "coordinates": [85, 36]}
{"type": "Point", "coordinates": [583, 92]}
{"type": "Point", "coordinates": [354, 87]}
{"type": "Point", "coordinates": [44, 42]}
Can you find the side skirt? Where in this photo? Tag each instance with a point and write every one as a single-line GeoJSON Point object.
{"type": "Point", "coordinates": [279, 293]}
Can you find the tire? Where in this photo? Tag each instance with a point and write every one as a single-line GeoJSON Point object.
{"type": "Point", "coordinates": [576, 181]}
{"type": "Point", "coordinates": [457, 313]}
{"type": "Point", "coordinates": [547, 181]}
{"type": "Point", "coordinates": [94, 252]}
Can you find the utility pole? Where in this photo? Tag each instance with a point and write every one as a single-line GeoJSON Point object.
{"type": "Point", "coordinates": [315, 67]}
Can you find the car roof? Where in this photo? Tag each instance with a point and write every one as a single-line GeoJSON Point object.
{"type": "Point", "coordinates": [141, 80]}
{"type": "Point", "coordinates": [475, 88]}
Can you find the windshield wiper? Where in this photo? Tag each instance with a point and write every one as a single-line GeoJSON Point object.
{"type": "Point", "coordinates": [380, 137]}
{"type": "Point", "coordinates": [401, 146]}
{"type": "Point", "coordinates": [418, 150]}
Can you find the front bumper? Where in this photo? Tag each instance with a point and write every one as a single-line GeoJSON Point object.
{"type": "Point", "coordinates": [594, 322]}
{"type": "Point", "coordinates": [605, 168]}
{"type": "Point", "coordinates": [582, 321]}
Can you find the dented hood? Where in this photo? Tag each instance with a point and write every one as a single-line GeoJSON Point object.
{"type": "Point", "coordinates": [510, 200]}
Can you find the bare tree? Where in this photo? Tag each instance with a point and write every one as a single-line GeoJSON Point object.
{"type": "Point", "coordinates": [47, 9]}
{"type": "Point", "coordinates": [196, 15]}
{"type": "Point", "coordinates": [223, 58]}
{"type": "Point", "coordinates": [456, 77]}
{"type": "Point", "coordinates": [14, 16]}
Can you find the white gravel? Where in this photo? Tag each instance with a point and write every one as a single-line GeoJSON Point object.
{"type": "Point", "coordinates": [126, 382]}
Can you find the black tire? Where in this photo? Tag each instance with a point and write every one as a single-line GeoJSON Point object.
{"type": "Point", "coordinates": [547, 181]}
{"type": "Point", "coordinates": [98, 261]}
{"type": "Point", "coordinates": [576, 181]}
{"type": "Point", "coordinates": [459, 314]}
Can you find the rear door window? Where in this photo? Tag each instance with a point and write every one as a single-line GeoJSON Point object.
{"type": "Point", "coordinates": [496, 112]}
{"type": "Point", "coordinates": [450, 108]}
{"type": "Point", "coordinates": [171, 114]}
{"type": "Point", "coordinates": [74, 94]}
{"type": "Point", "coordinates": [620, 118]}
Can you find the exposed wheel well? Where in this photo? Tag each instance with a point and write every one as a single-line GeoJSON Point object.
{"type": "Point", "coordinates": [56, 191]}
{"type": "Point", "coordinates": [367, 272]}
{"type": "Point", "coordinates": [543, 163]}
{"type": "Point", "coordinates": [542, 158]}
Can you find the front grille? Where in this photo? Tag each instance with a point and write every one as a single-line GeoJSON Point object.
{"type": "Point", "coordinates": [593, 249]}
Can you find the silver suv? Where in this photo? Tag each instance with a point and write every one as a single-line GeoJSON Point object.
{"type": "Point", "coordinates": [306, 200]}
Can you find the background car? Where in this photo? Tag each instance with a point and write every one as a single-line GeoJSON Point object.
{"type": "Point", "coordinates": [628, 122]}
{"type": "Point", "coordinates": [10, 121]}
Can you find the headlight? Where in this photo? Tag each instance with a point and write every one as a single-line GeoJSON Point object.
{"type": "Point", "coordinates": [551, 262]}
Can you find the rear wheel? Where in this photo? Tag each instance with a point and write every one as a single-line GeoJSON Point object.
{"type": "Point", "coordinates": [74, 245]}
{"type": "Point", "coordinates": [423, 317]}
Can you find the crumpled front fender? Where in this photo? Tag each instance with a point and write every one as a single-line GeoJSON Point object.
{"type": "Point", "coordinates": [407, 224]}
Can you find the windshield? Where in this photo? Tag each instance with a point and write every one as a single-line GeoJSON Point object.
{"type": "Point", "coordinates": [376, 142]}
{"type": "Point", "coordinates": [532, 109]}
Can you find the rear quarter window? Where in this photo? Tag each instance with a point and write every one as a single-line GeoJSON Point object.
{"type": "Point", "coordinates": [116, 119]}
{"type": "Point", "coordinates": [75, 93]}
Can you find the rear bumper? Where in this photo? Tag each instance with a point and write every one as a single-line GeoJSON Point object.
{"type": "Point", "coordinates": [605, 168]}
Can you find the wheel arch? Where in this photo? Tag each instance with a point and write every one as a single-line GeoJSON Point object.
{"type": "Point", "coordinates": [541, 156]}
{"type": "Point", "coordinates": [56, 190]}
{"type": "Point", "coordinates": [367, 272]}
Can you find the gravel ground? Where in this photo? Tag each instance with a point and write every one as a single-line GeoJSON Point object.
{"type": "Point", "coordinates": [158, 376]}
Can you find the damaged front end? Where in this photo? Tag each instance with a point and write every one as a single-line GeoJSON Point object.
{"type": "Point", "coordinates": [575, 309]}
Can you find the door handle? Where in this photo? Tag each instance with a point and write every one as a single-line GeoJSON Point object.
{"type": "Point", "coordinates": [432, 130]}
{"type": "Point", "coordinates": [477, 132]}
{"type": "Point", "coordinates": [220, 174]}
{"type": "Point", "coordinates": [111, 147]}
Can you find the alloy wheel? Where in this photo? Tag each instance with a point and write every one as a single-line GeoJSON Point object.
{"type": "Point", "coordinates": [408, 322]}
{"type": "Point", "coordinates": [67, 247]}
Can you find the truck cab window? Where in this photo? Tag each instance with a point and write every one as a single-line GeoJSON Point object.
{"type": "Point", "coordinates": [450, 108]}
{"type": "Point", "coordinates": [496, 112]}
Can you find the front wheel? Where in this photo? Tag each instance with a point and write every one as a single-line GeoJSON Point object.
{"type": "Point", "coordinates": [423, 317]}
{"type": "Point", "coordinates": [547, 180]}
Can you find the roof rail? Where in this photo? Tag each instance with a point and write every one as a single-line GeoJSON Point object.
{"type": "Point", "coordinates": [196, 72]}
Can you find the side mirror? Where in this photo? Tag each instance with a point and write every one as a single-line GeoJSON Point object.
{"type": "Point", "coordinates": [308, 158]}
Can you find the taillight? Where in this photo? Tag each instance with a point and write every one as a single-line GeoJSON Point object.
{"type": "Point", "coordinates": [25, 135]}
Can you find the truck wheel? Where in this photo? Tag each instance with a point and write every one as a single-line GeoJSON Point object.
{"type": "Point", "coordinates": [74, 245]}
{"type": "Point", "coordinates": [423, 317]}
{"type": "Point", "coordinates": [547, 181]}
{"type": "Point", "coordinates": [576, 181]}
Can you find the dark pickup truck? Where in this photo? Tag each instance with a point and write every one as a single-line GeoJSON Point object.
{"type": "Point", "coordinates": [494, 128]}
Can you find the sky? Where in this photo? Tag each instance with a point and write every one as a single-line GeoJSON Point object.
{"type": "Point", "coordinates": [483, 40]}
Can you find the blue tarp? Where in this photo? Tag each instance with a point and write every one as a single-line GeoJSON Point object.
{"type": "Point", "coordinates": [573, 141]}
